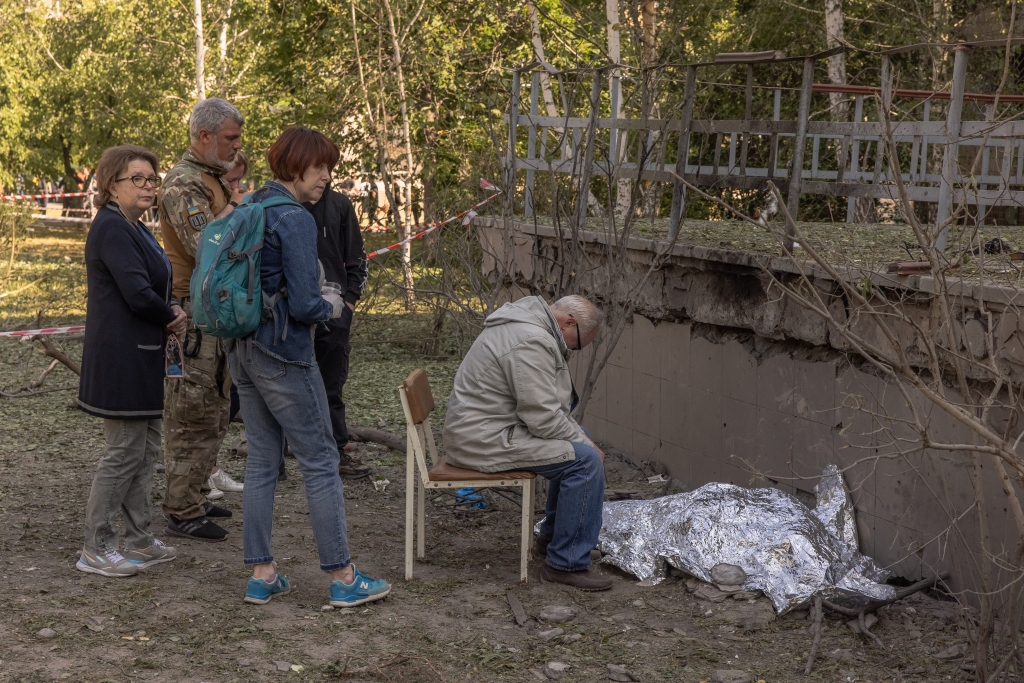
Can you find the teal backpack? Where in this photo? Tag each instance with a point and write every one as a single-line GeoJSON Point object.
{"type": "Point", "coordinates": [227, 300]}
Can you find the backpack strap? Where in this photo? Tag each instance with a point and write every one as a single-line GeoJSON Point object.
{"type": "Point", "coordinates": [270, 302]}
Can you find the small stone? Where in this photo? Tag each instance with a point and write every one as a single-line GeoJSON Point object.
{"type": "Point", "coordinates": [572, 637]}
{"type": "Point", "coordinates": [728, 574]}
{"type": "Point", "coordinates": [679, 631]}
{"type": "Point", "coordinates": [95, 621]}
{"type": "Point", "coordinates": [556, 670]}
{"type": "Point", "coordinates": [617, 672]}
{"type": "Point", "coordinates": [869, 621]}
{"type": "Point", "coordinates": [538, 674]}
{"type": "Point", "coordinates": [283, 666]}
{"type": "Point", "coordinates": [914, 634]}
{"type": "Point", "coordinates": [556, 613]}
{"type": "Point", "coordinates": [46, 634]}
{"type": "Point", "coordinates": [326, 608]}
{"type": "Point", "coordinates": [550, 634]}
{"type": "Point", "coordinates": [953, 652]}
{"type": "Point", "coordinates": [730, 676]}
{"type": "Point", "coordinates": [244, 663]}
{"type": "Point", "coordinates": [638, 603]}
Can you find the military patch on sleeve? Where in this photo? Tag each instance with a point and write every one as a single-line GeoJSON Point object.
{"type": "Point", "coordinates": [196, 217]}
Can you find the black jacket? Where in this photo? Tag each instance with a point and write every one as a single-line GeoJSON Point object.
{"type": "Point", "coordinates": [339, 244]}
{"type": "Point", "coordinates": [128, 308]}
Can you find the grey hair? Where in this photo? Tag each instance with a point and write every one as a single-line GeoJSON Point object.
{"type": "Point", "coordinates": [210, 115]}
{"type": "Point", "coordinates": [588, 316]}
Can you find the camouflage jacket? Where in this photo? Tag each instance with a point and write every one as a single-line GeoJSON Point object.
{"type": "Point", "coordinates": [192, 194]}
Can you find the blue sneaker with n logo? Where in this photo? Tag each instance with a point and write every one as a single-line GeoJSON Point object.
{"type": "Point", "coordinates": [259, 591]}
{"type": "Point", "coordinates": [363, 589]}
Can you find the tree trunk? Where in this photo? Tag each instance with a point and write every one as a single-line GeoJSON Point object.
{"type": "Point", "coordinates": [197, 20]}
{"type": "Point", "coordinates": [222, 79]}
{"type": "Point", "coordinates": [622, 197]}
{"type": "Point", "coordinates": [405, 229]}
{"type": "Point", "coordinates": [836, 63]}
{"type": "Point", "coordinates": [538, 49]}
{"type": "Point", "coordinates": [648, 58]}
{"type": "Point", "coordinates": [545, 86]}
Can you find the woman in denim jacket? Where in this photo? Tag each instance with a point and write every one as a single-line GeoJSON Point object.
{"type": "Point", "coordinates": [280, 388]}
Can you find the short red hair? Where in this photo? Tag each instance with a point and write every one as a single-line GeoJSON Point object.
{"type": "Point", "coordinates": [297, 149]}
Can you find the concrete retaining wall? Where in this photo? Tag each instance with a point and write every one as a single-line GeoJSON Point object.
{"type": "Point", "coordinates": [719, 381]}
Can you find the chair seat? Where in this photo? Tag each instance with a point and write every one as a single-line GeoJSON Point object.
{"type": "Point", "coordinates": [443, 471]}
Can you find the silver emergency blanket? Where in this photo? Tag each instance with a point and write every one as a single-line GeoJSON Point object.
{"type": "Point", "coordinates": [787, 551]}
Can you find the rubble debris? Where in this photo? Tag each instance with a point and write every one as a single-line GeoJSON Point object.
{"type": "Point", "coordinates": [730, 676]}
{"type": "Point", "coordinates": [46, 634]}
{"type": "Point", "coordinates": [282, 666]}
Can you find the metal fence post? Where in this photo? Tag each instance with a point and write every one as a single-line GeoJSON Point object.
{"type": "Point", "coordinates": [951, 155]}
{"type": "Point", "coordinates": [796, 177]}
{"type": "Point", "coordinates": [583, 193]}
{"type": "Point", "coordinates": [682, 155]}
{"type": "Point", "coordinates": [531, 145]}
{"type": "Point", "coordinates": [510, 153]}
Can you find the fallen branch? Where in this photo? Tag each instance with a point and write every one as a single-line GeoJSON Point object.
{"type": "Point", "coordinates": [899, 595]}
{"type": "Point", "coordinates": [816, 629]}
{"type": "Point", "coordinates": [53, 352]}
{"type": "Point", "coordinates": [377, 436]}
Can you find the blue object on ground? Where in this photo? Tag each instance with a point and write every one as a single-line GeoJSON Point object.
{"type": "Point", "coordinates": [469, 496]}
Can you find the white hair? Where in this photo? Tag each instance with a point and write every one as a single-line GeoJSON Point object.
{"type": "Point", "coordinates": [588, 316]}
{"type": "Point", "coordinates": [210, 115]}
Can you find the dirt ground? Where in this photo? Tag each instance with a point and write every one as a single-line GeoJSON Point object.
{"type": "Point", "coordinates": [185, 621]}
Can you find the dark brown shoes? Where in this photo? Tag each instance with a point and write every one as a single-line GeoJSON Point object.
{"type": "Point", "coordinates": [588, 580]}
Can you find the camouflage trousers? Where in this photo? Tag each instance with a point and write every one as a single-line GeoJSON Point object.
{"type": "Point", "coordinates": [195, 423]}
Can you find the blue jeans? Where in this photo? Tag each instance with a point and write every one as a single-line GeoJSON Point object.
{"type": "Point", "coordinates": [572, 515]}
{"type": "Point", "coordinates": [288, 400]}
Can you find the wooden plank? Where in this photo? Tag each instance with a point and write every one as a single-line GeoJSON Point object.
{"type": "Point", "coordinates": [518, 613]}
{"type": "Point", "coordinates": [773, 149]}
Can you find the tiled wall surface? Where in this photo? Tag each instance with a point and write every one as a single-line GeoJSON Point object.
{"type": "Point", "coordinates": [718, 411]}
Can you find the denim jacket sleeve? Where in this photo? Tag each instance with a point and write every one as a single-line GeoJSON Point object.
{"type": "Point", "coordinates": [299, 263]}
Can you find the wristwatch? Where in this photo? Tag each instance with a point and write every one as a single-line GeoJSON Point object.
{"type": "Point", "coordinates": [233, 203]}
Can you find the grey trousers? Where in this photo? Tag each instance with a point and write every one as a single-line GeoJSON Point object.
{"type": "Point", "coordinates": [123, 482]}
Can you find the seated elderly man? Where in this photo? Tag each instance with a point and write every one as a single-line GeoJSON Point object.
{"type": "Point", "coordinates": [510, 410]}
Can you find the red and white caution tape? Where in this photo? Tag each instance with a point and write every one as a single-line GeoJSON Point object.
{"type": "Point", "coordinates": [71, 219]}
{"type": "Point", "coordinates": [467, 215]}
{"type": "Point", "coordinates": [45, 330]}
{"type": "Point", "coordinates": [58, 195]}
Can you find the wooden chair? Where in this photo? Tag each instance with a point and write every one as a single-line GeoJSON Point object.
{"type": "Point", "coordinates": [418, 403]}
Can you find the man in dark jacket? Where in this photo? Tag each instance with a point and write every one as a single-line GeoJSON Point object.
{"type": "Point", "coordinates": [340, 250]}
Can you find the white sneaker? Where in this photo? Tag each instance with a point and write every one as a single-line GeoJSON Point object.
{"type": "Point", "coordinates": [215, 493]}
{"type": "Point", "coordinates": [222, 481]}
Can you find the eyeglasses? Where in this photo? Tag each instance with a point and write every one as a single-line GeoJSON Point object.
{"type": "Point", "coordinates": [579, 339]}
{"type": "Point", "coordinates": [140, 181]}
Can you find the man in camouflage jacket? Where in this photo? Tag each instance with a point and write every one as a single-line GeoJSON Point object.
{"type": "Point", "coordinates": [196, 407]}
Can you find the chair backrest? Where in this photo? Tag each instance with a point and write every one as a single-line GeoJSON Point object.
{"type": "Point", "coordinates": [421, 399]}
{"type": "Point", "coordinates": [418, 403]}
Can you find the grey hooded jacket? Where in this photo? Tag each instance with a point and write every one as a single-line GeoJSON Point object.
{"type": "Point", "coordinates": [510, 404]}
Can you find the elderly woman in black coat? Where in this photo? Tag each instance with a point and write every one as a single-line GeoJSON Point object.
{"type": "Point", "coordinates": [128, 317]}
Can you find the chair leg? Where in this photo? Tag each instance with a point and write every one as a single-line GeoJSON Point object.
{"type": "Point", "coordinates": [410, 484]}
{"type": "Point", "coordinates": [524, 550]}
{"type": "Point", "coordinates": [421, 541]}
